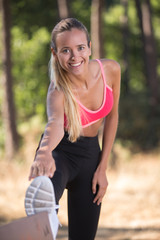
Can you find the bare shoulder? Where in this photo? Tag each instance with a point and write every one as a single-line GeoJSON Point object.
{"type": "Point", "coordinates": [94, 67]}
{"type": "Point", "coordinates": [55, 103]}
{"type": "Point", "coordinates": [54, 94]}
{"type": "Point", "coordinates": [111, 69]}
{"type": "Point", "coordinates": [111, 65]}
{"type": "Point", "coordinates": [108, 65]}
{"type": "Point", "coordinates": [112, 72]}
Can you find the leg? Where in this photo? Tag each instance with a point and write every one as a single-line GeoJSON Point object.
{"type": "Point", "coordinates": [83, 213]}
{"type": "Point", "coordinates": [40, 197]}
{"type": "Point", "coordinates": [61, 174]}
{"type": "Point", "coordinates": [38, 146]}
{"type": "Point", "coordinates": [43, 193]}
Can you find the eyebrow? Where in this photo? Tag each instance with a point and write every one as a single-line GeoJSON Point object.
{"type": "Point", "coordinates": [76, 46]}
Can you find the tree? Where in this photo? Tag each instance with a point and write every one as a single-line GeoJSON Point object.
{"type": "Point", "coordinates": [97, 28]}
{"type": "Point", "coordinates": [150, 58]}
{"type": "Point", "coordinates": [63, 8]}
{"type": "Point", "coordinates": [125, 32]}
{"type": "Point", "coordinates": [8, 109]}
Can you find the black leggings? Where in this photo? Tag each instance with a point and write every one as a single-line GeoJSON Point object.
{"type": "Point", "coordinates": [75, 166]}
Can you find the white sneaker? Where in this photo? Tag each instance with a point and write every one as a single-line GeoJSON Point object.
{"type": "Point", "coordinates": [40, 197]}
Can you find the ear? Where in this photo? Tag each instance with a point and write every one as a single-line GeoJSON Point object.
{"type": "Point", "coordinates": [53, 52]}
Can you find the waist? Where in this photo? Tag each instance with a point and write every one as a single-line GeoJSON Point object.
{"type": "Point", "coordinates": [83, 144]}
{"type": "Point", "coordinates": [82, 139]}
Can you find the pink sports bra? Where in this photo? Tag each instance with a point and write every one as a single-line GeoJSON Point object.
{"type": "Point", "coordinates": [88, 117]}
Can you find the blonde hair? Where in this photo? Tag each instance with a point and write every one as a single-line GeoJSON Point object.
{"type": "Point", "coordinates": [62, 81]}
{"type": "Point", "coordinates": [71, 108]}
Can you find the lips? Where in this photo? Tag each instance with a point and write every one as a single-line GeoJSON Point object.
{"type": "Point", "coordinates": [75, 64]}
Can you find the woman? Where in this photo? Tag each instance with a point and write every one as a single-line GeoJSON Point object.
{"type": "Point", "coordinates": [82, 94]}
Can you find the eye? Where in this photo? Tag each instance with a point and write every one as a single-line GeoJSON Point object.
{"type": "Point", "coordinates": [66, 50]}
{"type": "Point", "coordinates": [80, 48]}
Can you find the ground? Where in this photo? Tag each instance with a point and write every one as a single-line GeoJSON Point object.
{"type": "Point", "coordinates": [131, 206]}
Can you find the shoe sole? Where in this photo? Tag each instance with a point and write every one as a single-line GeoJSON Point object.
{"type": "Point", "coordinates": [40, 196]}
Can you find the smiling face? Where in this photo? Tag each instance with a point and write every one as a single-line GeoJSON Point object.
{"type": "Point", "coordinates": [72, 51]}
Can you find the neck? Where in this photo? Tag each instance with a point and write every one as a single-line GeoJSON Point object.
{"type": "Point", "coordinates": [80, 82]}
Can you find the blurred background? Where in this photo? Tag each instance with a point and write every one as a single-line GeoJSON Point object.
{"type": "Point", "coordinates": [123, 30]}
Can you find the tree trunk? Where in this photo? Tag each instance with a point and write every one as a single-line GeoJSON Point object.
{"type": "Point", "coordinates": [8, 108]}
{"type": "Point", "coordinates": [150, 58]}
{"type": "Point", "coordinates": [63, 9]}
{"type": "Point", "coordinates": [97, 28]}
{"type": "Point", "coordinates": [125, 32]}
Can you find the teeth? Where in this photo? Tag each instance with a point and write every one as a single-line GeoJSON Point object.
{"type": "Point", "coordinates": [75, 64]}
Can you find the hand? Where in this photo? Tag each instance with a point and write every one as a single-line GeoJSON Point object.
{"type": "Point", "coordinates": [100, 180]}
{"type": "Point", "coordinates": [44, 165]}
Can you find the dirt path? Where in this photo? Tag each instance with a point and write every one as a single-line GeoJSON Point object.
{"type": "Point", "coordinates": [120, 234]}
{"type": "Point", "coordinates": [131, 207]}
{"type": "Point", "coordinates": [130, 210]}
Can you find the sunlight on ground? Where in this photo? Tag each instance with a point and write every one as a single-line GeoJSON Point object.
{"type": "Point", "coordinates": [132, 200]}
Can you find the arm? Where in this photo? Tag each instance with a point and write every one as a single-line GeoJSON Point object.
{"type": "Point", "coordinates": [109, 133]}
{"type": "Point", "coordinates": [54, 131]}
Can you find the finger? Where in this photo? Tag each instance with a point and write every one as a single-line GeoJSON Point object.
{"type": "Point", "coordinates": [96, 198]}
{"type": "Point", "coordinates": [94, 185]}
{"type": "Point", "coordinates": [99, 201]}
{"type": "Point", "coordinates": [46, 172]}
{"type": "Point", "coordinates": [100, 195]}
{"type": "Point", "coordinates": [30, 174]}
{"type": "Point", "coordinates": [51, 172]}
{"type": "Point", "coordinates": [35, 171]}
{"type": "Point", "coordinates": [40, 170]}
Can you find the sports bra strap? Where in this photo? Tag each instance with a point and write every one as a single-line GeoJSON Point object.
{"type": "Point", "coordinates": [102, 71]}
{"type": "Point", "coordinates": [103, 75]}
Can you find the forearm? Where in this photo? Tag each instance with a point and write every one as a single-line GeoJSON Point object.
{"type": "Point", "coordinates": [109, 133]}
{"type": "Point", "coordinates": [53, 134]}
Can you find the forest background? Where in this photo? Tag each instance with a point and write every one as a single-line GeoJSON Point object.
{"type": "Point", "coordinates": [123, 30]}
{"type": "Point", "coordinates": [126, 31]}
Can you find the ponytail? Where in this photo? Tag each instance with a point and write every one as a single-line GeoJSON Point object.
{"type": "Point", "coordinates": [71, 108]}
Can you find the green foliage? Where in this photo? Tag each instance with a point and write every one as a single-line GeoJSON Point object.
{"type": "Point", "coordinates": [112, 33]}
{"type": "Point", "coordinates": [31, 15]}
{"type": "Point", "coordinates": [1, 95]}
{"type": "Point", "coordinates": [30, 71]}
{"type": "Point", "coordinates": [32, 24]}
{"type": "Point", "coordinates": [114, 43]}
{"type": "Point", "coordinates": [136, 125]}
{"type": "Point", "coordinates": [81, 10]}
{"type": "Point", "coordinates": [137, 122]}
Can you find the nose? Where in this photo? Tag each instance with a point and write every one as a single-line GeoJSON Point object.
{"type": "Point", "coordinates": [73, 55]}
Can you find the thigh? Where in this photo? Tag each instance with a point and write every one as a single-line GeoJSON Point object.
{"type": "Point", "coordinates": [61, 175]}
{"type": "Point", "coordinates": [82, 212]}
